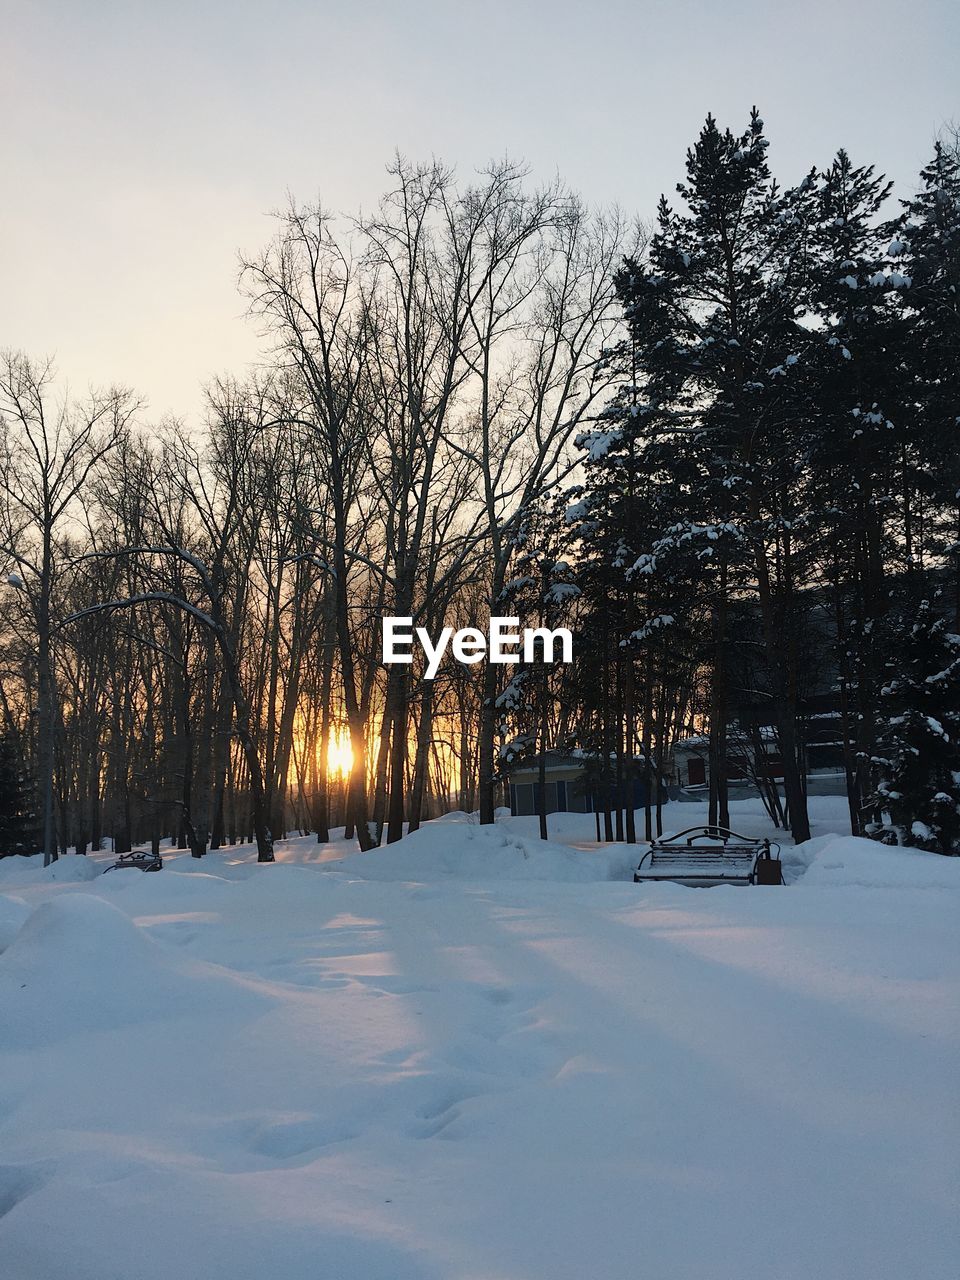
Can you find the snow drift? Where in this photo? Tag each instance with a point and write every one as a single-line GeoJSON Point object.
{"type": "Point", "coordinates": [456, 848]}
{"type": "Point", "coordinates": [851, 861]}
{"type": "Point", "coordinates": [79, 964]}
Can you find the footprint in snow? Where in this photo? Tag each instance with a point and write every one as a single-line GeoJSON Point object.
{"type": "Point", "coordinates": [292, 1138]}
{"type": "Point", "coordinates": [17, 1181]}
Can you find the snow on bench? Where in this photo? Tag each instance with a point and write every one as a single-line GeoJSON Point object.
{"type": "Point", "coordinates": [707, 856]}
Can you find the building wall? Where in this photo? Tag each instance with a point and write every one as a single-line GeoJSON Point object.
{"type": "Point", "coordinates": [523, 798]}
{"type": "Point", "coordinates": [563, 795]}
{"type": "Point", "coordinates": [562, 773]}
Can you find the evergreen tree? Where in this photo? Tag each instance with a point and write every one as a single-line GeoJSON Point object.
{"type": "Point", "coordinates": [19, 828]}
{"type": "Point", "coordinates": [641, 586]}
{"type": "Point", "coordinates": [927, 250]}
{"type": "Point", "coordinates": [716, 318]}
{"type": "Point", "coordinates": [918, 749]}
{"type": "Point", "coordinates": [860, 419]}
{"type": "Point", "coordinates": [919, 742]}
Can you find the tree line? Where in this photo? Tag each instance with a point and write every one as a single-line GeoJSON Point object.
{"type": "Point", "coordinates": [771, 499]}
{"type": "Point", "coordinates": [696, 445]}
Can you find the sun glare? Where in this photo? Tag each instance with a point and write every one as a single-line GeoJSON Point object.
{"type": "Point", "coordinates": [339, 755]}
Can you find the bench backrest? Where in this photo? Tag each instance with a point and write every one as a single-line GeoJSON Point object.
{"type": "Point", "coordinates": [702, 853]}
{"type": "Point", "coordinates": [746, 853]}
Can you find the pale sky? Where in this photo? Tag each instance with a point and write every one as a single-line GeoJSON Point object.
{"type": "Point", "coordinates": [145, 143]}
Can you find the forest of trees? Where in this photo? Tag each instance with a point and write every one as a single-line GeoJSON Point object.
{"type": "Point", "coordinates": [721, 448]}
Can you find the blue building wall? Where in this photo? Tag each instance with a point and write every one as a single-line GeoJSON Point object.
{"type": "Point", "coordinates": [570, 797]}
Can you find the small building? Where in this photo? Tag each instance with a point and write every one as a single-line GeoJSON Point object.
{"type": "Point", "coordinates": [574, 784]}
{"type": "Point", "coordinates": [750, 755]}
{"type": "Point", "coordinates": [690, 761]}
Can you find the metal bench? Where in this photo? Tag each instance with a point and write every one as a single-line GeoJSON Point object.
{"type": "Point", "coordinates": [141, 861]}
{"type": "Point", "coordinates": [704, 856]}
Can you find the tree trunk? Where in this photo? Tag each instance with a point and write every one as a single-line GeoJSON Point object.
{"type": "Point", "coordinates": [422, 758]}
{"type": "Point", "coordinates": [487, 735]}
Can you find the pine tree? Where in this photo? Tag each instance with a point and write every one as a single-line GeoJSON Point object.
{"type": "Point", "coordinates": [19, 829]}
{"type": "Point", "coordinates": [919, 743]}
{"type": "Point", "coordinates": [927, 252]}
{"type": "Point", "coordinates": [613, 524]}
{"type": "Point", "coordinates": [717, 330]}
{"type": "Point", "coordinates": [918, 749]}
{"type": "Point", "coordinates": [859, 423]}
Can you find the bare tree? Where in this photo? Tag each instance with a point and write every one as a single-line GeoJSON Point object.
{"type": "Point", "coordinates": [49, 446]}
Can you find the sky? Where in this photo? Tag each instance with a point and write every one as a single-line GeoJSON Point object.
{"type": "Point", "coordinates": [145, 144]}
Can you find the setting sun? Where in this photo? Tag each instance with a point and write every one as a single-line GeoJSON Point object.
{"type": "Point", "coordinates": [339, 755]}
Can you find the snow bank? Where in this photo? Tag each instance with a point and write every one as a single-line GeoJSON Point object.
{"type": "Point", "coordinates": [79, 964]}
{"type": "Point", "coordinates": [456, 848]}
{"type": "Point", "coordinates": [837, 861]}
{"type": "Point", "coordinates": [13, 912]}
{"type": "Point", "coordinates": [69, 868]}
{"type": "Point", "coordinates": [15, 867]}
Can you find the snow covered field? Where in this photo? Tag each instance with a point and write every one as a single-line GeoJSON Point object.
{"type": "Point", "coordinates": [470, 1056]}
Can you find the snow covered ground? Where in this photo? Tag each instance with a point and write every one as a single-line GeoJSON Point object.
{"type": "Point", "coordinates": [472, 1056]}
